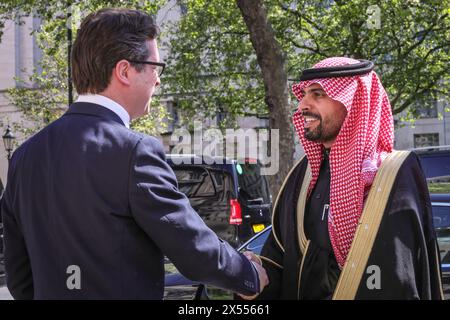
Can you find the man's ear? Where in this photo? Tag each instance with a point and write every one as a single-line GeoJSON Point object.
{"type": "Point", "coordinates": [122, 72]}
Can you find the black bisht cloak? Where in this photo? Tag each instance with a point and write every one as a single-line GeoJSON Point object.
{"type": "Point", "coordinates": [405, 247]}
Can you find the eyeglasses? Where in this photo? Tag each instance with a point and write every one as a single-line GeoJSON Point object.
{"type": "Point", "coordinates": [160, 66]}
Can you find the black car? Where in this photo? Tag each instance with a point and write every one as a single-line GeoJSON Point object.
{"type": "Point", "coordinates": [232, 197]}
{"type": "Point", "coordinates": [179, 287]}
{"type": "Point", "coordinates": [441, 219]}
{"type": "Point", "coordinates": [435, 163]}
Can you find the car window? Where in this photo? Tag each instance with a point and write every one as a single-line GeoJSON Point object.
{"type": "Point", "coordinates": [253, 187]}
{"type": "Point", "coordinates": [435, 164]}
{"type": "Point", "coordinates": [209, 191]}
{"type": "Point", "coordinates": [256, 244]}
{"type": "Point", "coordinates": [441, 219]}
{"type": "Point", "coordinates": [441, 216]}
{"type": "Point", "coordinates": [195, 182]}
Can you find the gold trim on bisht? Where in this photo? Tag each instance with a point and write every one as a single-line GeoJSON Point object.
{"type": "Point", "coordinates": [278, 197]}
{"type": "Point", "coordinates": [368, 226]}
{"type": "Point", "coordinates": [271, 262]}
{"type": "Point", "coordinates": [301, 269]}
{"type": "Point", "coordinates": [301, 205]}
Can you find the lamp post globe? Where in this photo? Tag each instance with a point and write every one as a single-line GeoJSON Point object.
{"type": "Point", "coordinates": [8, 140]}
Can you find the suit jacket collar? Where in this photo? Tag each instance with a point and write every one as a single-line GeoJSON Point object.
{"type": "Point", "coordinates": [93, 110]}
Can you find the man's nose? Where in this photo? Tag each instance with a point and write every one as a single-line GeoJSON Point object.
{"type": "Point", "coordinates": [305, 103]}
{"type": "Point", "coordinates": [158, 81]}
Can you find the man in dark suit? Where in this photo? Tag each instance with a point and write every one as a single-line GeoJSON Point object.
{"type": "Point", "coordinates": [91, 207]}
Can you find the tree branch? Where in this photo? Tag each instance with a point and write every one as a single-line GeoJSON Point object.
{"type": "Point", "coordinates": [422, 39]}
{"type": "Point", "coordinates": [418, 91]}
{"type": "Point", "coordinates": [300, 16]}
{"type": "Point", "coordinates": [315, 50]}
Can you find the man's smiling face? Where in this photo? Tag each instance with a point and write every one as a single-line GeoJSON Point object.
{"type": "Point", "coordinates": [323, 116]}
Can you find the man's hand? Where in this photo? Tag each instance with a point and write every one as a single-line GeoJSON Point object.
{"type": "Point", "coordinates": [263, 279]}
{"type": "Point", "coordinates": [250, 255]}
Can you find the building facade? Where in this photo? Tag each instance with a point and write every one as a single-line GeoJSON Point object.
{"type": "Point", "coordinates": [19, 56]}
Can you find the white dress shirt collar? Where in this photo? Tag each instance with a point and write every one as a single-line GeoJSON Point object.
{"type": "Point", "coordinates": [107, 103]}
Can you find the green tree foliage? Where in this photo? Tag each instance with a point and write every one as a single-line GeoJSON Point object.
{"type": "Point", "coordinates": [44, 96]}
{"type": "Point", "coordinates": [213, 63]}
{"type": "Point", "coordinates": [213, 66]}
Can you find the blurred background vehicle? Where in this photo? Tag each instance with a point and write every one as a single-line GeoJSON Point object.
{"type": "Point", "coordinates": [435, 163]}
{"type": "Point", "coordinates": [441, 219]}
{"type": "Point", "coordinates": [232, 197]}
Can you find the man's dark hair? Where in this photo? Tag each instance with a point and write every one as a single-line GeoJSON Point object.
{"type": "Point", "coordinates": [105, 37]}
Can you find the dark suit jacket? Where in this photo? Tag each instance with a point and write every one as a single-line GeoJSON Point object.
{"type": "Point", "coordinates": [87, 191]}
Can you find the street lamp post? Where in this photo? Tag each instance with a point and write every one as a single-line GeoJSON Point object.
{"type": "Point", "coordinates": [8, 140]}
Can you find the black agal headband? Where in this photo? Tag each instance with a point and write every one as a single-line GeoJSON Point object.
{"type": "Point", "coordinates": [348, 70]}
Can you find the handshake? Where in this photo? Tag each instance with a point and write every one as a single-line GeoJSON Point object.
{"type": "Point", "coordinates": [263, 279]}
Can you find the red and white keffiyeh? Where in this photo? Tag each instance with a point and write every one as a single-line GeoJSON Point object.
{"type": "Point", "coordinates": [365, 139]}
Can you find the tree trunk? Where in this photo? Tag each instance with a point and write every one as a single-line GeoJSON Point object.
{"type": "Point", "coordinates": [271, 61]}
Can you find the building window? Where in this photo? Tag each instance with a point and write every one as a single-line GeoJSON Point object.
{"type": "Point", "coordinates": [426, 140]}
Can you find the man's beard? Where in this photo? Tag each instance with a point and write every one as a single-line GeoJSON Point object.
{"type": "Point", "coordinates": [315, 134]}
{"type": "Point", "coordinates": [322, 133]}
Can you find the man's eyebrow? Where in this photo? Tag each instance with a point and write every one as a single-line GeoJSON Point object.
{"type": "Point", "coordinates": [320, 90]}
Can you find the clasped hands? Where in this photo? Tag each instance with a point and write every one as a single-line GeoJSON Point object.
{"type": "Point", "coordinates": [263, 278]}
